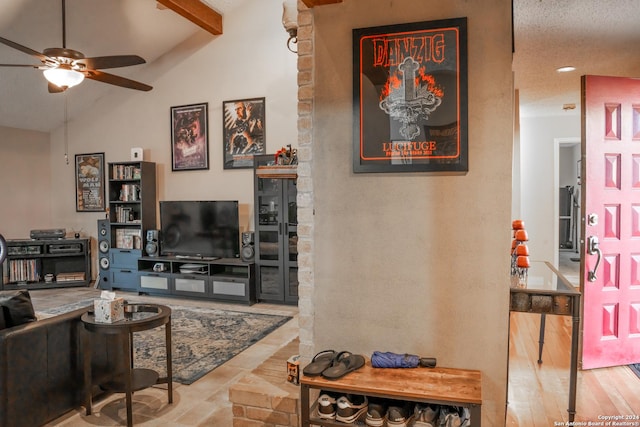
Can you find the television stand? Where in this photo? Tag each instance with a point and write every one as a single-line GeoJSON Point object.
{"type": "Point", "coordinates": [222, 279]}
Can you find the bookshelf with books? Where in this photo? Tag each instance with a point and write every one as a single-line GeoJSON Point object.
{"type": "Point", "coordinates": [132, 211]}
{"type": "Point", "coordinates": [46, 263]}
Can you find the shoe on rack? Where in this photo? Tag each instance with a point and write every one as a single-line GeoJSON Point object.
{"type": "Point", "coordinates": [351, 408]}
{"type": "Point", "coordinates": [400, 415]}
{"type": "Point", "coordinates": [449, 417]}
{"type": "Point", "coordinates": [327, 405]}
{"type": "Point", "coordinates": [376, 413]}
{"type": "Point", "coordinates": [465, 416]}
{"type": "Point", "coordinates": [425, 415]}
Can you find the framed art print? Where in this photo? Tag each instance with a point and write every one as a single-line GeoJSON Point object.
{"type": "Point", "coordinates": [410, 97]}
{"type": "Point", "coordinates": [243, 132]}
{"type": "Point", "coordinates": [90, 187]}
{"type": "Point", "coordinates": [189, 137]}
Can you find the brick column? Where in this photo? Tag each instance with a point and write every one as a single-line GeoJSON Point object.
{"type": "Point", "coordinates": [305, 180]}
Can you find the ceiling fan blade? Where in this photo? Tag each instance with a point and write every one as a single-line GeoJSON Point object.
{"type": "Point", "coordinates": [116, 80]}
{"type": "Point", "coordinates": [55, 89]}
{"type": "Point", "coordinates": [102, 62]}
{"type": "Point", "coordinates": [20, 65]}
{"type": "Point", "coordinates": [24, 49]}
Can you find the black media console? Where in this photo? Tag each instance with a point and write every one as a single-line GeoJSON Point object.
{"type": "Point", "coordinates": [223, 279]}
{"type": "Point", "coordinates": [46, 263]}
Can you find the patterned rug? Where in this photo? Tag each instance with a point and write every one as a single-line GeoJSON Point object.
{"type": "Point", "coordinates": [636, 369]}
{"type": "Point", "coordinates": [203, 338]}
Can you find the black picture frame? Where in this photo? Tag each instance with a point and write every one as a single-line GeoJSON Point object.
{"type": "Point", "coordinates": [190, 137]}
{"type": "Point", "coordinates": [244, 132]}
{"type": "Point", "coordinates": [90, 182]}
{"type": "Point", "coordinates": [410, 104]}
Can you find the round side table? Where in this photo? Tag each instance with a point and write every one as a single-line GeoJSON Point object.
{"type": "Point", "coordinates": [138, 317]}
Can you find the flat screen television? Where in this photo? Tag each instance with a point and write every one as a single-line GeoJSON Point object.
{"type": "Point", "coordinates": [200, 229]}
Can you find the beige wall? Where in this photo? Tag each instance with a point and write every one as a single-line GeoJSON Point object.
{"type": "Point", "coordinates": [413, 262]}
{"type": "Point", "coordinates": [25, 187]}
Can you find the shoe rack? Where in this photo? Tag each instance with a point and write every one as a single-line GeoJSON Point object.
{"type": "Point", "coordinates": [440, 386]}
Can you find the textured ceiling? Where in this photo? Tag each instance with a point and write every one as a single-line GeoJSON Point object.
{"type": "Point", "coordinates": [588, 34]}
{"type": "Point", "coordinates": [597, 37]}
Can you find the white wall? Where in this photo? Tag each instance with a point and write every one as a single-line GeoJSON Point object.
{"type": "Point", "coordinates": [249, 60]}
{"type": "Point", "coordinates": [25, 187]}
{"type": "Point", "coordinates": [537, 169]}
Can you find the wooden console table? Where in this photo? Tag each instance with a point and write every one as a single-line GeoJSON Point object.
{"type": "Point", "coordinates": [547, 291]}
{"type": "Point", "coordinates": [440, 386]}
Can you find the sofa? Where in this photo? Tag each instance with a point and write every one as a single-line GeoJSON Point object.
{"type": "Point", "coordinates": [42, 362]}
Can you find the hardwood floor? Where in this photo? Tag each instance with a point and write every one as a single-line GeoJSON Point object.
{"type": "Point", "coordinates": [539, 393]}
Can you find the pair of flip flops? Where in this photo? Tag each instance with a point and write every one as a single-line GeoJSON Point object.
{"type": "Point", "coordinates": [333, 365]}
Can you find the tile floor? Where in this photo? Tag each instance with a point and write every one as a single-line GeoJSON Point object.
{"type": "Point", "coordinates": [203, 403]}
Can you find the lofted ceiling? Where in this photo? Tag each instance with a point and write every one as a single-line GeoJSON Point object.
{"type": "Point", "coordinates": [95, 28]}
{"type": "Point", "coordinates": [588, 34]}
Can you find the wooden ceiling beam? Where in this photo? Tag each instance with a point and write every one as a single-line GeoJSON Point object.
{"type": "Point", "coordinates": [311, 3]}
{"type": "Point", "coordinates": [198, 13]}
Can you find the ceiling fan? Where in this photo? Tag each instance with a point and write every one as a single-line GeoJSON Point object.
{"type": "Point", "coordinates": [64, 68]}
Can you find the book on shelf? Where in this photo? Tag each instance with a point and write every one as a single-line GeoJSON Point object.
{"type": "Point", "coordinates": [126, 172]}
{"type": "Point", "coordinates": [128, 238]}
{"type": "Point", "coordinates": [70, 277]}
{"type": "Point", "coordinates": [24, 270]}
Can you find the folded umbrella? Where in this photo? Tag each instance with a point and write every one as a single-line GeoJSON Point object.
{"type": "Point", "coordinates": [388, 359]}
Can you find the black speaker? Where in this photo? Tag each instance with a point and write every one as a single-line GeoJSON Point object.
{"type": "Point", "coordinates": [104, 246]}
{"type": "Point", "coordinates": [247, 252]}
{"type": "Point", "coordinates": [152, 248]}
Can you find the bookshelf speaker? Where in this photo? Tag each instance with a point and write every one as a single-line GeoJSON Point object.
{"type": "Point", "coordinates": [104, 246]}
{"type": "Point", "coordinates": [152, 247]}
{"type": "Point", "coordinates": [247, 252]}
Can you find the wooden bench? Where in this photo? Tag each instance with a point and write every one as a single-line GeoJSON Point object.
{"type": "Point", "coordinates": [441, 386]}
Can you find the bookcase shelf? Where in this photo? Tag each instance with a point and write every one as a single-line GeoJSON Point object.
{"type": "Point", "coordinates": [132, 211]}
{"type": "Point", "coordinates": [46, 263]}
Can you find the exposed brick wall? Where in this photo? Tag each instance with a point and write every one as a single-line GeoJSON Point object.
{"type": "Point", "coordinates": [305, 179]}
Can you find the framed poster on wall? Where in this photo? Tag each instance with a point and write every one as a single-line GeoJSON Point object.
{"type": "Point", "coordinates": [243, 126]}
{"type": "Point", "coordinates": [90, 182]}
{"type": "Point", "coordinates": [410, 97]}
{"type": "Point", "coordinates": [189, 137]}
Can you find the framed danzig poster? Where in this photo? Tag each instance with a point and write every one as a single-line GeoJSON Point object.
{"type": "Point", "coordinates": [410, 97]}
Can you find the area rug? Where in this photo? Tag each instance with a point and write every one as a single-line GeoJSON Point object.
{"type": "Point", "coordinates": [203, 338]}
{"type": "Point", "coordinates": [636, 369]}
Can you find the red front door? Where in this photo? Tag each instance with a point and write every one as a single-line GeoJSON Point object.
{"type": "Point", "coordinates": [611, 223]}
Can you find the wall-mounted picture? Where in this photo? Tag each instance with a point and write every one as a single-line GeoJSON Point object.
{"type": "Point", "coordinates": [410, 97]}
{"type": "Point", "coordinates": [243, 132]}
{"type": "Point", "coordinates": [189, 137]}
{"type": "Point", "coordinates": [90, 191]}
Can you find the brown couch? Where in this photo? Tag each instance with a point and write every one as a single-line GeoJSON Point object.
{"type": "Point", "coordinates": [41, 368]}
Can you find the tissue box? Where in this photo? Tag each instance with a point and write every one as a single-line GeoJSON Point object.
{"type": "Point", "coordinates": [108, 310]}
{"type": "Point", "coordinates": [293, 365]}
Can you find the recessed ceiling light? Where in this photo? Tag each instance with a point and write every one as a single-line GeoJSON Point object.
{"type": "Point", "coordinates": [566, 69]}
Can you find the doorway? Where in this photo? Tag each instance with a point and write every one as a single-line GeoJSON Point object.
{"type": "Point", "coordinates": [567, 155]}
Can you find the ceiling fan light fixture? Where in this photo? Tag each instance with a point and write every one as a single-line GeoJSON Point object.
{"type": "Point", "coordinates": [63, 76]}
